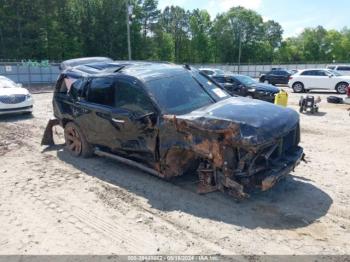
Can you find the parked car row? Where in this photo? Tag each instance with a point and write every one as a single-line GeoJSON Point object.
{"type": "Point", "coordinates": [242, 85]}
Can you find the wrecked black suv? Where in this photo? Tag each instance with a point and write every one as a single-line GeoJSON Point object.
{"type": "Point", "coordinates": [172, 120]}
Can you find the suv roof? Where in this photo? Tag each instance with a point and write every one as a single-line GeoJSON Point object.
{"type": "Point", "coordinates": [145, 71]}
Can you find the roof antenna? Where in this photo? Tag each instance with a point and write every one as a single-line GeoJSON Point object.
{"type": "Point", "coordinates": [187, 66]}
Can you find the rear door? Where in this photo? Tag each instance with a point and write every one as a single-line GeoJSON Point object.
{"type": "Point", "coordinates": [309, 79]}
{"type": "Point", "coordinates": [120, 117]}
{"type": "Point", "coordinates": [93, 113]}
{"type": "Point", "coordinates": [324, 80]}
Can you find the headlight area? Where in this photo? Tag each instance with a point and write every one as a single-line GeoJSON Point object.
{"type": "Point", "coordinates": [29, 96]}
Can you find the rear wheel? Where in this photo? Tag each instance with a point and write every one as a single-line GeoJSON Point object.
{"type": "Point", "coordinates": [341, 88]}
{"type": "Point", "coordinates": [298, 87]}
{"type": "Point", "coordinates": [76, 143]}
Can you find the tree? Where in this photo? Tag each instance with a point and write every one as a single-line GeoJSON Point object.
{"type": "Point", "coordinates": [200, 25]}
{"type": "Point", "coordinates": [174, 21]}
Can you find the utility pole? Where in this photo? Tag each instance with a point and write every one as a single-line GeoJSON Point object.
{"type": "Point", "coordinates": [239, 50]}
{"type": "Point", "coordinates": [128, 15]}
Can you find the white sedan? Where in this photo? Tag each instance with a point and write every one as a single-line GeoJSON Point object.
{"type": "Point", "coordinates": [14, 98]}
{"type": "Point", "coordinates": [322, 79]}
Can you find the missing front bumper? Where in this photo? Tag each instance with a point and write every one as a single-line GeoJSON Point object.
{"type": "Point", "coordinates": [285, 167]}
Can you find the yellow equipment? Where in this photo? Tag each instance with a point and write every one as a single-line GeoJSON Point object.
{"type": "Point", "coordinates": [281, 98]}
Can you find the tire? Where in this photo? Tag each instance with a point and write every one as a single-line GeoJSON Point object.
{"type": "Point", "coordinates": [334, 100]}
{"type": "Point", "coordinates": [76, 143]}
{"type": "Point", "coordinates": [341, 88]}
{"type": "Point", "coordinates": [298, 87]}
{"type": "Point", "coordinates": [262, 79]}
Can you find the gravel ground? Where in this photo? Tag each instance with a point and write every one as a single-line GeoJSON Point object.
{"type": "Point", "coordinates": [52, 203]}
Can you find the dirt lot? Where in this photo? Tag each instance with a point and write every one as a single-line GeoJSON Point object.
{"type": "Point", "coordinates": [52, 203]}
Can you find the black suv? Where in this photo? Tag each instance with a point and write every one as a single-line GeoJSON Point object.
{"type": "Point", "coordinates": [246, 86]}
{"type": "Point", "coordinates": [172, 120]}
{"type": "Point", "coordinates": [276, 76]}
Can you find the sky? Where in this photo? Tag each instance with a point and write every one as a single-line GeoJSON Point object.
{"type": "Point", "coordinates": [293, 15]}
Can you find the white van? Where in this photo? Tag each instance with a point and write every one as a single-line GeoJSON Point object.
{"type": "Point", "coordinates": [342, 69]}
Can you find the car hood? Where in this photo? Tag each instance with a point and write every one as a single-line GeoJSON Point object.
{"type": "Point", "coordinates": [265, 87]}
{"type": "Point", "coordinates": [254, 122]}
{"type": "Point", "coordinates": [7, 91]}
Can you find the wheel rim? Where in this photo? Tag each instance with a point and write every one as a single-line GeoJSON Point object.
{"type": "Point", "coordinates": [73, 141]}
{"type": "Point", "coordinates": [298, 87]}
{"type": "Point", "coordinates": [266, 82]}
{"type": "Point", "coordinates": [342, 88]}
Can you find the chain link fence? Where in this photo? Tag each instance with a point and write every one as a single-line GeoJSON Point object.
{"type": "Point", "coordinates": [30, 73]}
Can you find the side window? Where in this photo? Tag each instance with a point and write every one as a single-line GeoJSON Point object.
{"type": "Point", "coordinates": [343, 68]}
{"type": "Point", "coordinates": [228, 80]}
{"type": "Point", "coordinates": [310, 73]}
{"type": "Point", "coordinates": [100, 91]}
{"type": "Point", "coordinates": [130, 97]}
{"type": "Point", "coordinates": [220, 79]}
{"type": "Point", "coordinates": [321, 73]}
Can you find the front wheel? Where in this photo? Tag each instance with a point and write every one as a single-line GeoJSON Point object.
{"type": "Point", "coordinates": [76, 143]}
{"type": "Point", "coordinates": [298, 87]}
{"type": "Point", "coordinates": [341, 88]}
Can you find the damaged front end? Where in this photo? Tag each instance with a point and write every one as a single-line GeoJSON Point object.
{"type": "Point", "coordinates": [238, 157]}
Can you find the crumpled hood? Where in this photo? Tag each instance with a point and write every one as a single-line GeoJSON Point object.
{"type": "Point", "coordinates": [7, 91]}
{"type": "Point", "coordinates": [255, 122]}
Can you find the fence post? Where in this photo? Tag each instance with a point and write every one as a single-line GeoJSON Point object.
{"type": "Point", "coordinates": [29, 75]}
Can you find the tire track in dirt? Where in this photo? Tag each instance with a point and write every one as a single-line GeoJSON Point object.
{"type": "Point", "coordinates": [85, 221]}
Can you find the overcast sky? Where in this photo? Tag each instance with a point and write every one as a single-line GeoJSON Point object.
{"type": "Point", "coordinates": [293, 15]}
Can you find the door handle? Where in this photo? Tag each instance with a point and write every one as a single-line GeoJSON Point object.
{"type": "Point", "coordinates": [118, 121]}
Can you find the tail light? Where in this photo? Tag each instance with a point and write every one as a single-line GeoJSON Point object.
{"type": "Point", "coordinates": [290, 78]}
{"type": "Point", "coordinates": [348, 91]}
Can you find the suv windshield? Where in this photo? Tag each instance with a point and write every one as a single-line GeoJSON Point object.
{"type": "Point", "coordinates": [245, 80]}
{"type": "Point", "coordinates": [183, 93]}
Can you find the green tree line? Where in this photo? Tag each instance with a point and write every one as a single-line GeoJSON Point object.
{"type": "Point", "coordinates": [63, 29]}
